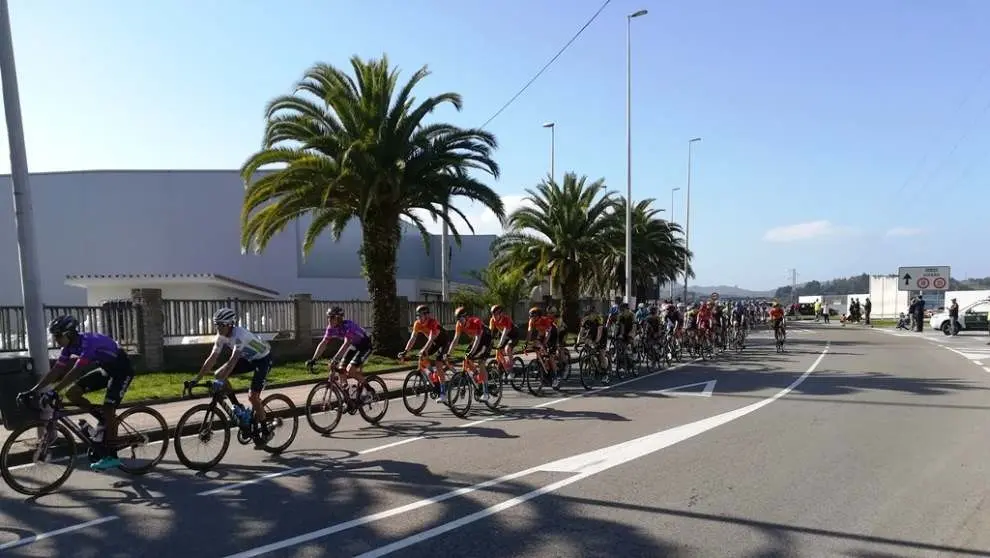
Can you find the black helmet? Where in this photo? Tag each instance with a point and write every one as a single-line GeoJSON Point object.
{"type": "Point", "coordinates": [460, 312]}
{"type": "Point", "coordinates": [62, 325]}
{"type": "Point", "coordinates": [335, 312]}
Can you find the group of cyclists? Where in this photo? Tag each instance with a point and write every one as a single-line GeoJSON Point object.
{"type": "Point", "coordinates": [91, 361]}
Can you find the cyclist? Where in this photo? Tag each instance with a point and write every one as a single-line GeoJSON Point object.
{"type": "Point", "coordinates": [705, 319]}
{"type": "Point", "coordinates": [642, 312]}
{"type": "Point", "coordinates": [480, 348]}
{"type": "Point", "coordinates": [543, 329]}
{"type": "Point", "coordinates": [593, 333]}
{"type": "Point", "coordinates": [777, 319]}
{"type": "Point", "coordinates": [436, 337]}
{"type": "Point", "coordinates": [100, 363]}
{"type": "Point", "coordinates": [248, 353]}
{"type": "Point", "coordinates": [354, 351]}
{"type": "Point", "coordinates": [652, 324]}
{"type": "Point", "coordinates": [509, 335]}
{"type": "Point", "coordinates": [625, 322]}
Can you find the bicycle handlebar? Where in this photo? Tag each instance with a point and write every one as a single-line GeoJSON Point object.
{"type": "Point", "coordinates": [189, 386]}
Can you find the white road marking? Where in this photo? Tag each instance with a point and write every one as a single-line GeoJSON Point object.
{"type": "Point", "coordinates": [677, 390]}
{"type": "Point", "coordinates": [42, 536]}
{"type": "Point", "coordinates": [584, 465]}
{"type": "Point", "coordinates": [236, 485]}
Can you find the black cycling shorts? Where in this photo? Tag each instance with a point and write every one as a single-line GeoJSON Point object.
{"type": "Point", "coordinates": [440, 346]}
{"type": "Point", "coordinates": [552, 339]}
{"type": "Point", "coordinates": [481, 348]}
{"type": "Point", "coordinates": [261, 367]}
{"type": "Point", "coordinates": [358, 353]}
{"type": "Point", "coordinates": [114, 375]}
{"type": "Point", "coordinates": [511, 337]}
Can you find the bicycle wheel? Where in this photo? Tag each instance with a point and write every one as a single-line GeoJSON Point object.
{"type": "Point", "coordinates": [30, 455]}
{"type": "Point", "coordinates": [460, 393]}
{"type": "Point", "coordinates": [140, 428]}
{"type": "Point", "coordinates": [325, 402]}
{"type": "Point", "coordinates": [518, 374]}
{"type": "Point", "coordinates": [373, 395]}
{"type": "Point", "coordinates": [415, 392]}
{"type": "Point", "coordinates": [495, 383]}
{"type": "Point", "coordinates": [282, 419]}
{"type": "Point", "coordinates": [534, 377]}
{"type": "Point", "coordinates": [193, 434]}
{"type": "Point", "coordinates": [589, 370]}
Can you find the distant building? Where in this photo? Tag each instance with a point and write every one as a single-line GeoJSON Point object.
{"type": "Point", "coordinates": [187, 223]}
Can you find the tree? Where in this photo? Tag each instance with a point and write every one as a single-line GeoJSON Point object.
{"type": "Point", "coordinates": [507, 288]}
{"type": "Point", "coordinates": [358, 148]}
{"type": "Point", "coordinates": [657, 249]}
{"type": "Point", "coordinates": [559, 236]}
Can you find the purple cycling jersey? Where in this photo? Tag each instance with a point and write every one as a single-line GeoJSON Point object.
{"type": "Point", "coordinates": [347, 330]}
{"type": "Point", "coordinates": [90, 348]}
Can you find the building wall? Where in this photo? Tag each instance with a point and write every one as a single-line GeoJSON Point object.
{"type": "Point", "coordinates": [99, 294]}
{"type": "Point", "coordinates": [888, 302]}
{"type": "Point", "coordinates": [151, 222]}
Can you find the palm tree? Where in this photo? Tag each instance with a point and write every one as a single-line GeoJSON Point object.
{"type": "Point", "coordinates": [358, 148]}
{"type": "Point", "coordinates": [658, 248]}
{"type": "Point", "coordinates": [559, 236]}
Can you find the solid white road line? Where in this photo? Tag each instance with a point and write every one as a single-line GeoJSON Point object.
{"type": "Point", "coordinates": [583, 465]}
{"type": "Point", "coordinates": [40, 537]}
{"type": "Point", "coordinates": [236, 485]}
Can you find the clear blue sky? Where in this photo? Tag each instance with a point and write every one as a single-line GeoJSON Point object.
{"type": "Point", "coordinates": [837, 118]}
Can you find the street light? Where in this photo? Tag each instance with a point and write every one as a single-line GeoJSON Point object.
{"type": "Point", "coordinates": [687, 218]}
{"type": "Point", "coordinates": [23, 213]}
{"type": "Point", "coordinates": [552, 127]}
{"type": "Point", "coordinates": [629, 19]}
{"type": "Point", "coordinates": [672, 191]}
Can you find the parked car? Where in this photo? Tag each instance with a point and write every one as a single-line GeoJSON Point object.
{"type": "Point", "coordinates": [972, 317]}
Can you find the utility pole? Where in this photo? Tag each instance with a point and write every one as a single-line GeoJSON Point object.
{"type": "Point", "coordinates": [794, 297]}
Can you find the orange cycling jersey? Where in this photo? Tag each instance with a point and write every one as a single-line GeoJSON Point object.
{"type": "Point", "coordinates": [776, 313]}
{"type": "Point", "coordinates": [502, 323]}
{"type": "Point", "coordinates": [427, 327]}
{"type": "Point", "coordinates": [542, 324]}
{"type": "Point", "coordinates": [473, 326]}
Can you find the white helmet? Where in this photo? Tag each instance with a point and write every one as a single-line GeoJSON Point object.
{"type": "Point", "coordinates": [225, 316]}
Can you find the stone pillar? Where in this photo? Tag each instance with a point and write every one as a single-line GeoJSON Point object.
{"type": "Point", "coordinates": [303, 331]}
{"type": "Point", "coordinates": [151, 327]}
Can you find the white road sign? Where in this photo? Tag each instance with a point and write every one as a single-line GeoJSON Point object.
{"type": "Point", "coordinates": [934, 278]}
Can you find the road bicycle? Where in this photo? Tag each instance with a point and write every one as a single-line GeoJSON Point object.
{"type": "Point", "coordinates": [779, 337]}
{"type": "Point", "coordinates": [427, 381]}
{"type": "Point", "coordinates": [331, 398]}
{"type": "Point", "coordinates": [53, 441]}
{"type": "Point", "coordinates": [467, 385]}
{"type": "Point", "coordinates": [590, 366]}
{"type": "Point", "coordinates": [538, 373]}
{"type": "Point", "coordinates": [220, 417]}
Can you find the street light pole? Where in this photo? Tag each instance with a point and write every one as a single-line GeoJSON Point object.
{"type": "Point", "coordinates": [629, 281]}
{"type": "Point", "coordinates": [687, 219]}
{"type": "Point", "coordinates": [553, 127]}
{"type": "Point", "coordinates": [672, 220]}
{"type": "Point", "coordinates": [23, 212]}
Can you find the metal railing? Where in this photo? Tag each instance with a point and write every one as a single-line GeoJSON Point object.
{"type": "Point", "coordinates": [184, 318]}
{"type": "Point", "coordinates": [118, 320]}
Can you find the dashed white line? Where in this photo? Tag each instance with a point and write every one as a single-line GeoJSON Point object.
{"type": "Point", "coordinates": [42, 536]}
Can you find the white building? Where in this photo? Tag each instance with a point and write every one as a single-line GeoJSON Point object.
{"type": "Point", "coordinates": [181, 230]}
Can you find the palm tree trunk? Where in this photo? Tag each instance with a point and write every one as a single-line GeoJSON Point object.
{"type": "Point", "coordinates": [379, 249]}
{"type": "Point", "coordinates": [570, 293]}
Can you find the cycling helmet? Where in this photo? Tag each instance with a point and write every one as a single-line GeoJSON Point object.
{"type": "Point", "coordinates": [641, 305]}
{"type": "Point", "coordinates": [62, 325]}
{"type": "Point", "coordinates": [422, 309]}
{"type": "Point", "coordinates": [225, 316]}
{"type": "Point", "coordinates": [496, 308]}
{"type": "Point", "coordinates": [535, 312]}
{"type": "Point", "coordinates": [589, 310]}
{"type": "Point", "coordinates": [335, 312]}
{"type": "Point", "coordinates": [552, 310]}
{"type": "Point", "coordinates": [624, 306]}
{"type": "Point", "coordinates": [460, 312]}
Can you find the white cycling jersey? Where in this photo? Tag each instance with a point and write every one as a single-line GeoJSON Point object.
{"type": "Point", "coordinates": [251, 346]}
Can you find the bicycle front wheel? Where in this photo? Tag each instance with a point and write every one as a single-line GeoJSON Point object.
{"type": "Point", "coordinates": [460, 393]}
{"type": "Point", "coordinates": [45, 450]}
{"type": "Point", "coordinates": [139, 431]}
{"type": "Point", "coordinates": [200, 426]}
{"type": "Point", "coordinates": [324, 407]}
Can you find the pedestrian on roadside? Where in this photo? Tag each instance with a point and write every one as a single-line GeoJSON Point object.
{"type": "Point", "coordinates": [920, 314]}
{"type": "Point", "coordinates": [867, 309]}
{"type": "Point", "coordinates": [954, 326]}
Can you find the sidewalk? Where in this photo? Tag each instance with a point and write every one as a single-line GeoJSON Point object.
{"type": "Point", "coordinates": [172, 411]}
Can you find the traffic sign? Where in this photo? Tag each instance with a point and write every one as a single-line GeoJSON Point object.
{"type": "Point", "coordinates": [933, 278]}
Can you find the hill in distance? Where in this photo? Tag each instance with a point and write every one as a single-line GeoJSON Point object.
{"type": "Point", "coordinates": [725, 290]}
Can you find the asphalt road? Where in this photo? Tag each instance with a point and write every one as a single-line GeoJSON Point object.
{"type": "Point", "coordinates": [852, 443]}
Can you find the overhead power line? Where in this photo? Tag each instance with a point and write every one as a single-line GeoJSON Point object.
{"type": "Point", "coordinates": [548, 64]}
